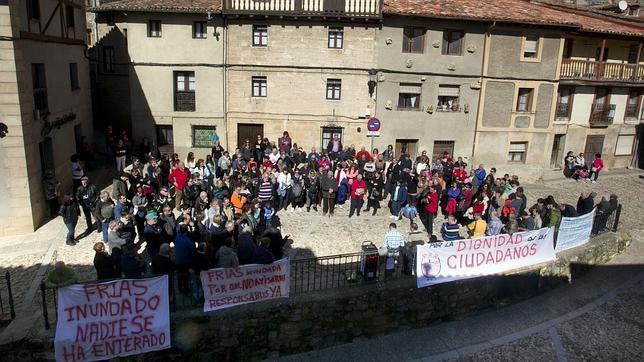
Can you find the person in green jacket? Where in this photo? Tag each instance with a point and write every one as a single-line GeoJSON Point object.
{"type": "Point", "coordinates": [61, 276]}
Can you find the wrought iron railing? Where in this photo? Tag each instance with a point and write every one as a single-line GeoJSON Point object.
{"type": "Point", "coordinates": [337, 8]}
{"type": "Point", "coordinates": [184, 101]}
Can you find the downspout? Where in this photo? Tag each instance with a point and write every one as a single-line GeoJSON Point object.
{"type": "Point", "coordinates": [225, 85]}
{"type": "Point", "coordinates": [483, 71]}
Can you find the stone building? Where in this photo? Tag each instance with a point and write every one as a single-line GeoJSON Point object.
{"type": "Point", "coordinates": [44, 100]}
{"type": "Point", "coordinates": [475, 78]}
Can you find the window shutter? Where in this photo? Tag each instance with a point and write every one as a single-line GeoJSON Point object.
{"type": "Point", "coordinates": [448, 91]}
{"type": "Point", "coordinates": [410, 88]}
{"type": "Point", "coordinates": [530, 45]}
{"type": "Point", "coordinates": [517, 147]}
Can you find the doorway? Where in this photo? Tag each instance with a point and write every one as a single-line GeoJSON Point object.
{"type": "Point", "coordinates": [46, 149]}
{"type": "Point", "coordinates": [440, 147]}
{"type": "Point", "coordinates": [247, 131]}
{"type": "Point", "coordinates": [165, 139]}
{"type": "Point", "coordinates": [594, 144]}
{"type": "Point", "coordinates": [409, 147]}
{"type": "Point", "coordinates": [556, 158]}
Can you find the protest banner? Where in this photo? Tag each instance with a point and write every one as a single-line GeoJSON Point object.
{"type": "Point", "coordinates": [574, 231]}
{"type": "Point", "coordinates": [225, 288]}
{"type": "Point", "coordinates": [100, 321]}
{"type": "Point", "coordinates": [463, 259]}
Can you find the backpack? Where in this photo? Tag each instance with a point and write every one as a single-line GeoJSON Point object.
{"type": "Point", "coordinates": [296, 190]}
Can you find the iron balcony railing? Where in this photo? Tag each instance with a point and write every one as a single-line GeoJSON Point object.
{"type": "Point", "coordinates": [563, 110]}
{"type": "Point", "coordinates": [184, 101]}
{"type": "Point", "coordinates": [602, 115]}
{"type": "Point", "coordinates": [601, 71]}
{"type": "Point", "coordinates": [328, 8]}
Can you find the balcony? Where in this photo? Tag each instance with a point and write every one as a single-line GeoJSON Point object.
{"type": "Point", "coordinates": [367, 9]}
{"type": "Point", "coordinates": [602, 115]}
{"type": "Point", "coordinates": [587, 70]}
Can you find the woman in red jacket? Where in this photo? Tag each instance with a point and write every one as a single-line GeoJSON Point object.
{"type": "Point", "coordinates": [597, 165]}
{"type": "Point", "coordinates": [358, 190]}
{"type": "Point", "coordinates": [431, 209]}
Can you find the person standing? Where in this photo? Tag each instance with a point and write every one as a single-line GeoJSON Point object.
{"type": "Point", "coordinates": [51, 188]}
{"type": "Point", "coordinates": [103, 263]}
{"type": "Point", "coordinates": [329, 188]}
{"type": "Point", "coordinates": [431, 210]}
{"type": "Point", "coordinates": [375, 193]}
{"type": "Point", "coordinates": [179, 177]}
{"type": "Point", "coordinates": [120, 152]}
{"type": "Point", "coordinates": [69, 212]}
{"type": "Point", "coordinates": [77, 171]}
{"type": "Point", "coordinates": [104, 208]}
{"type": "Point", "coordinates": [398, 198]}
{"type": "Point", "coordinates": [86, 196]}
{"type": "Point", "coordinates": [358, 190]}
{"type": "Point", "coordinates": [597, 166]}
{"type": "Point", "coordinates": [476, 228]}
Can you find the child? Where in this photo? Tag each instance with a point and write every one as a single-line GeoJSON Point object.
{"type": "Point", "coordinates": [410, 212]}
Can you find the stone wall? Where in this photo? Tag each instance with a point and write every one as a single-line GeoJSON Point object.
{"type": "Point", "coordinates": [324, 319]}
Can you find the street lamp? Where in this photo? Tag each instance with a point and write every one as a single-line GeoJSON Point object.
{"type": "Point", "coordinates": [372, 82]}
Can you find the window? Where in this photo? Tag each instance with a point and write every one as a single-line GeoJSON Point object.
{"type": "Point", "coordinates": [154, 29]}
{"type": "Point", "coordinates": [259, 86]}
{"type": "Point", "coordinates": [40, 86]}
{"type": "Point", "coordinates": [624, 145]}
{"type": "Point", "coordinates": [333, 88]}
{"type": "Point", "coordinates": [165, 135]}
{"type": "Point", "coordinates": [184, 91]}
{"type": "Point", "coordinates": [200, 30]}
{"type": "Point", "coordinates": [202, 136]}
{"type": "Point", "coordinates": [108, 59]}
{"type": "Point", "coordinates": [448, 96]}
{"type": "Point", "coordinates": [33, 9]}
{"type": "Point", "coordinates": [336, 38]}
{"type": "Point", "coordinates": [633, 11]}
{"type": "Point", "coordinates": [69, 16]}
{"type": "Point", "coordinates": [531, 47]}
{"type": "Point", "coordinates": [46, 150]}
{"type": "Point", "coordinates": [328, 133]}
{"type": "Point", "coordinates": [73, 76]}
{"type": "Point", "coordinates": [524, 100]}
{"type": "Point", "coordinates": [453, 42]}
{"type": "Point", "coordinates": [409, 96]}
{"type": "Point", "coordinates": [260, 35]}
{"type": "Point", "coordinates": [517, 151]}
{"type": "Point", "coordinates": [413, 40]}
{"type": "Point", "coordinates": [564, 102]}
{"type": "Point", "coordinates": [633, 52]}
{"type": "Point", "coordinates": [442, 148]}
{"type": "Point", "coordinates": [632, 104]}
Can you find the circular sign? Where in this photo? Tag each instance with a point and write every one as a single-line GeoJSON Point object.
{"type": "Point", "coordinates": [373, 124]}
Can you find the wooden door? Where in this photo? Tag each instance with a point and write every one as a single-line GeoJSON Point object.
{"type": "Point", "coordinates": [248, 132]}
{"type": "Point", "coordinates": [594, 144]}
{"type": "Point", "coordinates": [409, 147]}
{"type": "Point", "coordinates": [556, 159]}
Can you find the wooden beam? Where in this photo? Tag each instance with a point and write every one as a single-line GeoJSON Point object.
{"type": "Point", "coordinates": [43, 31]}
{"type": "Point", "coordinates": [50, 39]}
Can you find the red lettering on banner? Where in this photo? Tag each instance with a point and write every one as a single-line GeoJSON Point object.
{"type": "Point", "coordinates": [533, 249]}
{"type": "Point", "coordinates": [140, 286]}
{"type": "Point", "coordinates": [461, 245]}
{"type": "Point", "coordinates": [450, 262]}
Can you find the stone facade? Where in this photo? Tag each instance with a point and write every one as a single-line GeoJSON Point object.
{"type": "Point", "coordinates": [505, 126]}
{"type": "Point", "coordinates": [30, 147]}
{"type": "Point", "coordinates": [431, 70]}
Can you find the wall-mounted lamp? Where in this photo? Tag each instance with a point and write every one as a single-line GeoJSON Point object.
{"type": "Point", "coordinates": [372, 82]}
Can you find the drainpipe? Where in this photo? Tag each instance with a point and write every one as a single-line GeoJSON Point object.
{"type": "Point", "coordinates": [478, 108]}
{"type": "Point", "coordinates": [225, 85]}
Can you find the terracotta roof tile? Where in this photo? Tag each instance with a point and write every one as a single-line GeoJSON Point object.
{"type": "Point", "coordinates": [183, 6]}
{"type": "Point", "coordinates": [512, 11]}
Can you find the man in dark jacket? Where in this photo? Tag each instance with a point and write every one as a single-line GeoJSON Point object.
{"type": "Point", "coordinates": [161, 263]}
{"type": "Point", "coordinates": [585, 203]}
{"type": "Point", "coordinates": [277, 241]}
{"type": "Point", "coordinates": [119, 186]}
{"type": "Point", "coordinates": [69, 212]}
{"type": "Point", "coordinates": [152, 234]}
{"type": "Point", "coordinates": [567, 210]}
{"type": "Point", "coordinates": [86, 196]}
{"type": "Point", "coordinates": [329, 188]}
{"type": "Point", "coordinates": [131, 264]}
{"type": "Point", "coordinates": [103, 263]}
{"type": "Point", "coordinates": [246, 245]}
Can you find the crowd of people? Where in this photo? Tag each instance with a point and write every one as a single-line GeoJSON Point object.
{"type": "Point", "coordinates": [189, 214]}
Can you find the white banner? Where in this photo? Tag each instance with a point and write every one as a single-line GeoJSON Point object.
{"type": "Point", "coordinates": [574, 231]}
{"type": "Point", "coordinates": [463, 259]}
{"type": "Point", "coordinates": [119, 318]}
{"type": "Point", "coordinates": [225, 288]}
